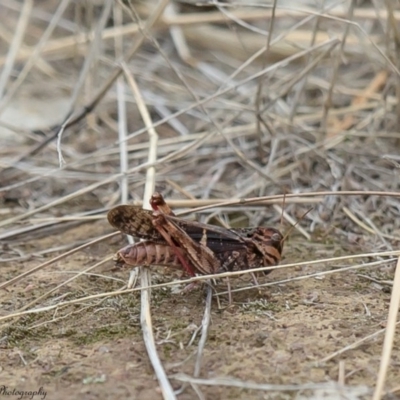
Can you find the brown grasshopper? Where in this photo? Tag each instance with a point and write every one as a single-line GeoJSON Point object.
{"type": "Point", "coordinates": [195, 247]}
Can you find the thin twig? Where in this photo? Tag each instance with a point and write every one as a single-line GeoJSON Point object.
{"type": "Point", "coordinates": [104, 89]}
{"type": "Point", "coordinates": [15, 45]}
{"type": "Point", "coordinates": [232, 382]}
{"type": "Point", "coordinates": [389, 335]}
{"type": "Point", "coordinates": [229, 274]}
{"type": "Point", "coordinates": [145, 277]}
{"type": "Point", "coordinates": [53, 260]}
{"type": "Point", "coordinates": [205, 324]}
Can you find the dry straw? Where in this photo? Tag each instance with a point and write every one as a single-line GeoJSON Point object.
{"type": "Point", "coordinates": [245, 113]}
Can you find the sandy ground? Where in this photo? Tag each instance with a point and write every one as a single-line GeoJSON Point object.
{"type": "Point", "coordinates": [314, 109]}
{"type": "Point", "coordinates": [278, 334]}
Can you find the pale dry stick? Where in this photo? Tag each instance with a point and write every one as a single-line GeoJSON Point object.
{"type": "Point", "coordinates": [278, 38]}
{"type": "Point", "coordinates": [389, 335]}
{"type": "Point", "coordinates": [217, 171]}
{"type": "Point", "coordinates": [181, 152]}
{"type": "Point", "coordinates": [101, 153]}
{"type": "Point", "coordinates": [258, 97]}
{"type": "Point", "coordinates": [360, 223]}
{"type": "Point", "coordinates": [341, 373]}
{"type": "Point", "coordinates": [232, 382]}
{"type": "Point", "coordinates": [31, 62]}
{"type": "Point", "coordinates": [123, 132]}
{"type": "Point", "coordinates": [65, 316]}
{"type": "Point", "coordinates": [196, 389]}
{"type": "Point", "coordinates": [53, 260]}
{"type": "Point", "coordinates": [236, 85]}
{"type": "Point", "coordinates": [316, 116]}
{"type": "Point", "coordinates": [336, 63]}
{"type": "Point", "coordinates": [206, 277]}
{"type": "Point", "coordinates": [61, 200]}
{"type": "Point", "coordinates": [395, 33]}
{"type": "Point", "coordinates": [41, 65]}
{"type": "Point", "coordinates": [217, 126]}
{"type": "Point", "coordinates": [352, 346]}
{"type": "Point", "coordinates": [302, 277]}
{"type": "Point", "coordinates": [232, 17]}
{"type": "Point", "coordinates": [178, 38]}
{"type": "Point", "coordinates": [37, 254]}
{"type": "Point", "coordinates": [378, 281]}
{"type": "Point", "coordinates": [49, 222]}
{"type": "Point", "coordinates": [293, 195]}
{"type": "Point", "coordinates": [220, 92]}
{"type": "Point", "coordinates": [15, 45]}
{"type": "Point", "coordinates": [180, 189]}
{"type": "Point", "coordinates": [394, 390]}
{"type": "Point", "coordinates": [187, 203]}
{"type": "Point", "coordinates": [199, 139]}
{"type": "Point", "coordinates": [299, 90]}
{"type": "Point", "coordinates": [68, 218]}
{"type": "Point", "coordinates": [91, 275]}
{"type": "Point", "coordinates": [252, 165]}
{"type": "Point", "coordinates": [221, 204]}
{"type": "Point", "coordinates": [381, 113]}
{"type": "Point", "coordinates": [366, 35]}
{"type": "Point", "coordinates": [145, 277]}
{"type": "Point", "coordinates": [281, 90]}
{"type": "Point", "coordinates": [122, 120]}
{"type": "Point", "coordinates": [178, 140]}
{"type": "Point", "coordinates": [62, 45]}
{"type": "Point", "coordinates": [312, 262]}
{"type": "Point", "coordinates": [362, 97]}
{"type": "Point", "coordinates": [85, 70]}
{"type": "Point", "coordinates": [288, 218]}
{"type": "Point", "coordinates": [103, 90]}
{"type": "Point", "coordinates": [374, 230]}
{"type": "Point", "coordinates": [43, 296]}
{"type": "Point", "coordinates": [61, 161]}
{"type": "Point", "coordinates": [71, 42]}
{"type": "Point", "coordinates": [262, 14]}
{"type": "Point", "coordinates": [46, 224]}
{"type": "Point", "coordinates": [26, 229]}
{"type": "Point", "coordinates": [207, 136]}
{"type": "Point", "coordinates": [166, 145]}
{"type": "Point", "coordinates": [205, 324]}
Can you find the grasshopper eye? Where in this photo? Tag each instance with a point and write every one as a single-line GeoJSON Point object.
{"type": "Point", "coordinates": [250, 233]}
{"type": "Point", "coordinates": [276, 237]}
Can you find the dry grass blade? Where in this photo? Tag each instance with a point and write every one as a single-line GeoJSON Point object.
{"type": "Point", "coordinates": [205, 324]}
{"type": "Point", "coordinates": [390, 334]}
{"type": "Point", "coordinates": [301, 277]}
{"type": "Point", "coordinates": [15, 45]}
{"type": "Point", "coordinates": [265, 387]}
{"type": "Point", "coordinates": [33, 59]}
{"type": "Point", "coordinates": [145, 314]}
{"type": "Point", "coordinates": [52, 261]}
{"type": "Point", "coordinates": [237, 273]}
{"type": "Point", "coordinates": [353, 345]}
{"type": "Point", "coordinates": [85, 271]}
{"type": "Point", "coordinates": [221, 107]}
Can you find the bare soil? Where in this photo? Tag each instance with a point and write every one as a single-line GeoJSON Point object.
{"type": "Point", "coordinates": [247, 101]}
{"type": "Point", "coordinates": [278, 334]}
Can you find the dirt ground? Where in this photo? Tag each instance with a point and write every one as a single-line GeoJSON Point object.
{"type": "Point", "coordinates": [278, 334]}
{"type": "Point", "coordinates": [246, 100]}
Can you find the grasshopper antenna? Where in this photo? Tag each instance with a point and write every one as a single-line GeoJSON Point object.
{"type": "Point", "coordinates": [283, 209]}
{"type": "Point", "coordinates": [294, 226]}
